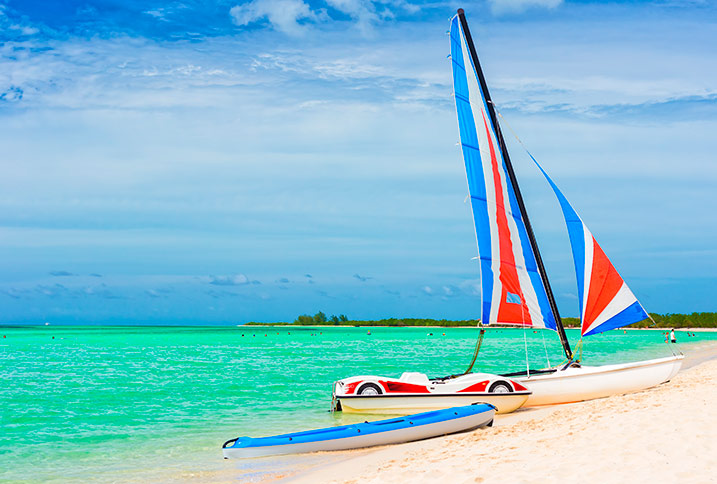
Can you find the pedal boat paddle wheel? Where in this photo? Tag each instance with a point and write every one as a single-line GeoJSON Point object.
{"type": "Point", "coordinates": [515, 288]}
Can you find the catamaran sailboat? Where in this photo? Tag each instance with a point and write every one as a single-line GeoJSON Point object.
{"type": "Point", "coordinates": [514, 283]}
{"type": "Point", "coordinates": [515, 288]}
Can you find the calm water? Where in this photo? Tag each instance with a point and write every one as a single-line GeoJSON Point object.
{"type": "Point", "coordinates": [131, 404]}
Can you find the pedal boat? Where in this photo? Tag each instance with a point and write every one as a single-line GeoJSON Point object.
{"type": "Point", "coordinates": [415, 392]}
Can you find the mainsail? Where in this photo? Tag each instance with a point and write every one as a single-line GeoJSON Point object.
{"type": "Point", "coordinates": [605, 300]}
{"type": "Point", "coordinates": [513, 289]}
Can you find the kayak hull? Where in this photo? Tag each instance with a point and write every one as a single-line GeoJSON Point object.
{"type": "Point", "coordinates": [392, 431]}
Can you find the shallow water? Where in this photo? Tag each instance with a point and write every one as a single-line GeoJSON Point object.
{"type": "Point", "coordinates": [134, 404]}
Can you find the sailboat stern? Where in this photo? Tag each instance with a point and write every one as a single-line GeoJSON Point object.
{"type": "Point", "coordinates": [576, 384]}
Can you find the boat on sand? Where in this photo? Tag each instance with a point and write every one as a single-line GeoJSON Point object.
{"type": "Point", "coordinates": [514, 283]}
{"type": "Point", "coordinates": [416, 392]}
{"type": "Point", "coordinates": [368, 434]}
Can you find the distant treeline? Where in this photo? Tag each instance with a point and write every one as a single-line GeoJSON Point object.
{"type": "Point", "coordinates": [409, 322]}
{"type": "Point", "coordinates": [694, 320]}
{"type": "Point", "coordinates": [321, 319]}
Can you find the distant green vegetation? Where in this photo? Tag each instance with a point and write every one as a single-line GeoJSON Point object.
{"type": "Point", "coordinates": [409, 322]}
{"type": "Point", "coordinates": [321, 319]}
{"type": "Point", "coordinates": [694, 320]}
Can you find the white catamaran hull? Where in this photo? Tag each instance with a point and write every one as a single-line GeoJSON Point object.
{"type": "Point", "coordinates": [588, 382]}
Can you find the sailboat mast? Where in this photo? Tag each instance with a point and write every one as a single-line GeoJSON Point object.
{"type": "Point", "coordinates": [516, 189]}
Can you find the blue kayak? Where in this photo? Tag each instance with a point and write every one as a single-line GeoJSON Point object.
{"type": "Point", "coordinates": [383, 432]}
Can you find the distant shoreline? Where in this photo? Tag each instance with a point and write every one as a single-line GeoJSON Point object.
{"type": "Point", "coordinates": [703, 321]}
{"type": "Point", "coordinates": [687, 322]}
{"type": "Point", "coordinates": [488, 328]}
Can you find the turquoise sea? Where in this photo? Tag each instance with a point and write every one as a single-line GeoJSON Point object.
{"type": "Point", "coordinates": [155, 404]}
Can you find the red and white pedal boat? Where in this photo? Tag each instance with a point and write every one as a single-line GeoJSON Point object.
{"type": "Point", "coordinates": [415, 392]}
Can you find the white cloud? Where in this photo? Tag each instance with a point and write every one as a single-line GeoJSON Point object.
{"type": "Point", "coordinates": [329, 69]}
{"type": "Point", "coordinates": [15, 28]}
{"type": "Point", "coordinates": [289, 16]}
{"type": "Point", "coordinates": [24, 29]}
{"type": "Point", "coordinates": [235, 280]}
{"type": "Point", "coordinates": [471, 286]}
{"type": "Point", "coordinates": [363, 11]}
{"type": "Point", "coordinates": [681, 3]}
{"type": "Point", "coordinates": [408, 7]}
{"type": "Point", "coordinates": [284, 15]}
{"type": "Point", "coordinates": [159, 14]}
{"type": "Point", "coordinates": [505, 6]}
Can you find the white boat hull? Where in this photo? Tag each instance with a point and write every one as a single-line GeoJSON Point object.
{"type": "Point", "coordinates": [405, 404]}
{"type": "Point", "coordinates": [589, 382]}
{"type": "Point", "coordinates": [415, 392]}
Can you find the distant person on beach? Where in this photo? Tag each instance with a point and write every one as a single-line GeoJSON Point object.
{"type": "Point", "coordinates": [672, 336]}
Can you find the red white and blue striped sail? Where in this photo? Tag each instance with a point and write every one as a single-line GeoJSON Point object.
{"type": "Point", "coordinates": [511, 286]}
{"type": "Point", "coordinates": [605, 300]}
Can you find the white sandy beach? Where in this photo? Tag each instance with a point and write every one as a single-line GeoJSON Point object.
{"type": "Point", "coordinates": [666, 434]}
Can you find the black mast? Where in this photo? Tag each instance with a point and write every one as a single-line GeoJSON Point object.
{"type": "Point", "coordinates": [516, 189]}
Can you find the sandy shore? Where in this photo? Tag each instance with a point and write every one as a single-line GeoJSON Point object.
{"type": "Point", "coordinates": [666, 434]}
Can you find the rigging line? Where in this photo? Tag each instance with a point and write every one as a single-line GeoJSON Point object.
{"type": "Point", "coordinates": [579, 345]}
{"type": "Point", "coordinates": [678, 348]}
{"type": "Point", "coordinates": [671, 344]}
{"type": "Point", "coordinates": [667, 337]}
{"type": "Point", "coordinates": [667, 340]}
{"type": "Point", "coordinates": [577, 355]}
{"type": "Point", "coordinates": [545, 346]}
{"type": "Point", "coordinates": [512, 131]}
{"type": "Point", "coordinates": [525, 339]}
{"type": "Point", "coordinates": [477, 349]}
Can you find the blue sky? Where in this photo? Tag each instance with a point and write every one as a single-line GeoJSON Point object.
{"type": "Point", "coordinates": [221, 162]}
